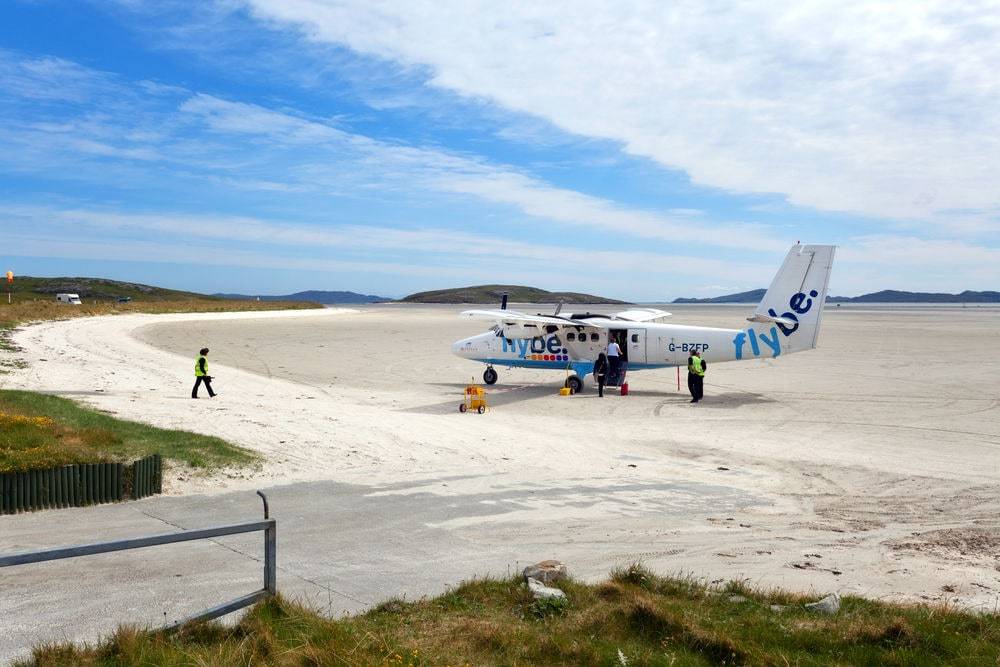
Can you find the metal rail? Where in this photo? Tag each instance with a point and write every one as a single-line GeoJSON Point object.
{"type": "Point", "coordinates": [268, 525]}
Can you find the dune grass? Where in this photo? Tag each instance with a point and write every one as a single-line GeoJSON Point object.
{"type": "Point", "coordinates": [42, 431]}
{"type": "Point", "coordinates": [636, 618]}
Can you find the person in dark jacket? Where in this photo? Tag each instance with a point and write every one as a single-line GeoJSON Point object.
{"type": "Point", "coordinates": [696, 376]}
{"type": "Point", "coordinates": [201, 374]}
{"type": "Point", "coordinates": [601, 369]}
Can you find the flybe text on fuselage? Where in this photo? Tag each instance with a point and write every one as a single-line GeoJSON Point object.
{"type": "Point", "coordinates": [536, 349]}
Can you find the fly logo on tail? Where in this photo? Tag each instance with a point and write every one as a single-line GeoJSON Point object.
{"type": "Point", "coordinates": [800, 304]}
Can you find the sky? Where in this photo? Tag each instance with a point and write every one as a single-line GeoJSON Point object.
{"type": "Point", "coordinates": [641, 150]}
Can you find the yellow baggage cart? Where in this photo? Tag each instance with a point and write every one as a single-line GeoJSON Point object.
{"type": "Point", "coordinates": [475, 399]}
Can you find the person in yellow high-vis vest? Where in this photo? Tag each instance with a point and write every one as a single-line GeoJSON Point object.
{"type": "Point", "coordinates": [696, 376]}
{"type": "Point", "coordinates": [201, 374]}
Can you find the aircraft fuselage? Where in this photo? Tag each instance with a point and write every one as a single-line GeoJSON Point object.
{"type": "Point", "coordinates": [648, 345]}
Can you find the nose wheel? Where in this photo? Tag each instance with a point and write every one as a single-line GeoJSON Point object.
{"type": "Point", "coordinates": [575, 384]}
{"type": "Point", "coordinates": [490, 376]}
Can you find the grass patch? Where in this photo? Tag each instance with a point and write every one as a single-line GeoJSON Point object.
{"type": "Point", "coordinates": [639, 619]}
{"type": "Point", "coordinates": [42, 431]}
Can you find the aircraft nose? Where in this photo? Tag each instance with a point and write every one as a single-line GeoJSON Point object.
{"type": "Point", "coordinates": [460, 347]}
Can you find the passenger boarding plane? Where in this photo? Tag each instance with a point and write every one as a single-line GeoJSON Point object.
{"type": "Point", "coordinates": [786, 321]}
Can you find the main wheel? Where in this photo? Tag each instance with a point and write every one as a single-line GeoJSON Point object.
{"type": "Point", "coordinates": [490, 376]}
{"type": "Point", "coordinates": [575, 383]}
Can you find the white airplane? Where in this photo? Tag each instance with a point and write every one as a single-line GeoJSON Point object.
{"type": "Point", "coordinates": [787, 320]}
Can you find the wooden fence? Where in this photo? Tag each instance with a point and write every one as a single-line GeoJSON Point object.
{"type": "Point", "coordinates": [80, 484]}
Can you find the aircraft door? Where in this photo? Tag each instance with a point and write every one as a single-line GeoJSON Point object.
{"type": "Point", "coordinates": [665, 351]}
{"type": "Point", "coordinates": [636, 343]}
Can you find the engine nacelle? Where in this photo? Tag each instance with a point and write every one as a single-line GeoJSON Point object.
{"type": "Point", "coordinates": [515, 330]}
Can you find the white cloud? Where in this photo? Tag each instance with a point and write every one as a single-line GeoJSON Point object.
{"type": "Point", "coordinates": [49, 79]}
{"type": "Point", "coordinates": [889, 109]}
{"type": "Point", "coordinates": [459, 174]}
{"type": "Point", "coordinates": [435, 247]}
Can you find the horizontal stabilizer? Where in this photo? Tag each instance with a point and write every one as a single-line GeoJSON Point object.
{"type": "Point", "coordinates": [761, 318]}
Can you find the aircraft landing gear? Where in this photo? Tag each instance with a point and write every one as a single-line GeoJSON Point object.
{"type": "Point", "coordinates": [490, 376]}
{"type": "Point", "coordinates": [575, 383]}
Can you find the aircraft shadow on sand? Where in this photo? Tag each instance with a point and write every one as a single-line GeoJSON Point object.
{"type": "Point", "coordinates": [507, 395]}
{"type": "Point", "coordinates": [497, 396]}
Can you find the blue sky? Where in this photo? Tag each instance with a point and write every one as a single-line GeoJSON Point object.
{"type": "Point", "coordinates": [647, 152]}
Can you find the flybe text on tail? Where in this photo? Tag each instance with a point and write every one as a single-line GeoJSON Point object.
{"type": "Point", "coordinates": [799, 304]}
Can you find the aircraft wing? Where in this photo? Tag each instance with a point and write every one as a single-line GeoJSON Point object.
{"type": "Point", "coordinates": [640, 314]}
{"type": "Point", "coordinates": [515, 317]}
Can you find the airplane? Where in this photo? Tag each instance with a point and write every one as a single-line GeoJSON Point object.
{"type": "Point", "coordinates": [787, 320]}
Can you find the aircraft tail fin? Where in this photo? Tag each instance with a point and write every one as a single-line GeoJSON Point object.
{"type": "Point", "coordinates": [794, 301]}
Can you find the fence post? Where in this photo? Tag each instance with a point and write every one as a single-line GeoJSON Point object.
{"type": "Point", "coordinates": [157, 473]}
{"type": "Point", "coordinates": [77, 486]}
{"type": "Point", "coordinates": [271, 558]}
{"type": "Point", "coordinates": [22, 491]}
{"type": "Point", "coordinates": [4, 493]}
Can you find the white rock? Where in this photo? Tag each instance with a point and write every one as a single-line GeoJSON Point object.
{"type": "Point", "coordinates": [546, 571]}
{"type": "Point", "coordinates": [543, 592]}
{"type": "Point", "coordinates": [828, 605]}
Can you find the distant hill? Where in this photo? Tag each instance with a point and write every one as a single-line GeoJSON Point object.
{"type": "Point", "coordinates": [314, 296]}
{"type": "Point", "coordinates": [493, 294]}
{"type": "Point", "coordinates": [885, 296]}
{"type": "Point", "coordinates": [896, 296]}
{"type": "Point", "coordinates": [753, 296]}
{"type": "Point", "coordinates": [28, 287]}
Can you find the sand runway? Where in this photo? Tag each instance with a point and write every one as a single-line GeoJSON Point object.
{"type": "Point", "coordinates": [869, 465]}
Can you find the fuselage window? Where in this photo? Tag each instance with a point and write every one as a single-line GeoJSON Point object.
{"type": "Point", "coordinates": [571, 336]}
{"type": "Point", "coordinates": [635, 338]}
{"type": "Point", "coordinates": [595, 337]}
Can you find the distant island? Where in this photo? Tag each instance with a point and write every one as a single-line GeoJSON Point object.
{"type": "Point", "coordinates": [313, 296]}
{"type": "Point", "coordinates": [884, 296]}
{"type": "Point", "coordinates": [753, 296]}
{"type": "Point", "coordinates": [493, 294]}
{"type": "Point", "coordinates": [896, 296]}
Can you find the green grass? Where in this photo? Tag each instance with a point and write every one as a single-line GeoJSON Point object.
{"type": "Point", "coordinates": [70, 433]}
{"type": "Point", "coordinates": [634, 619]}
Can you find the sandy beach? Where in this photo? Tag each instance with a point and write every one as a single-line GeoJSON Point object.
{"type": "Point", "coordinates": [867, 466]}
